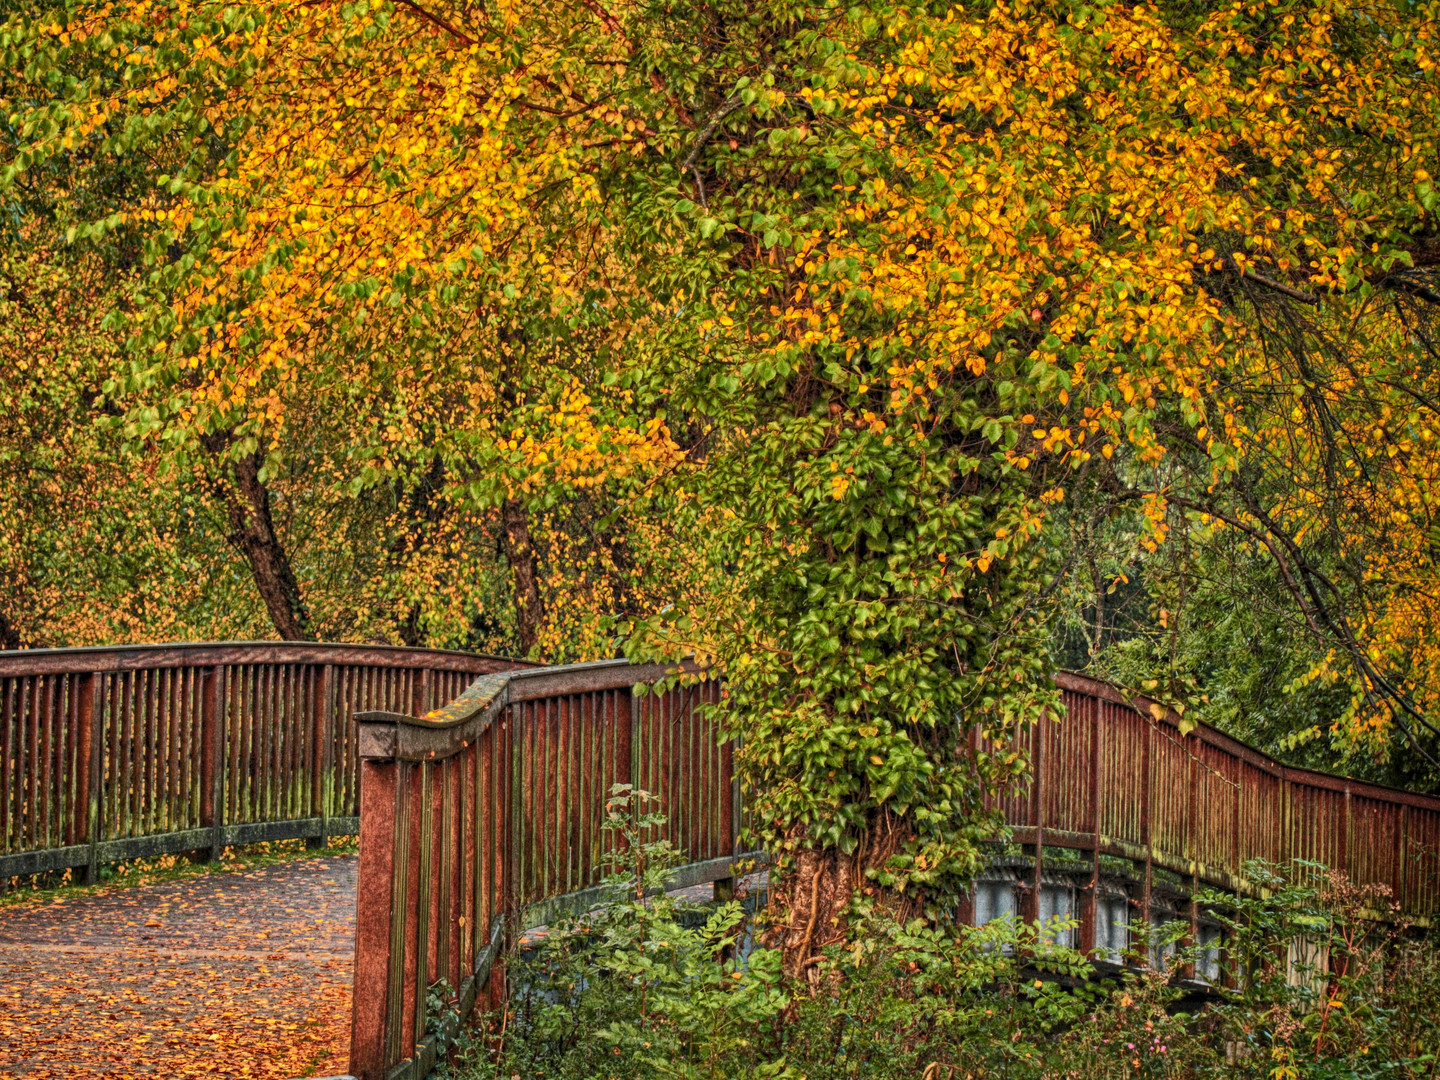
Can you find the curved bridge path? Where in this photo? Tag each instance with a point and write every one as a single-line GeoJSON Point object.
{"type": "Point", "coordinates": [236, 974]}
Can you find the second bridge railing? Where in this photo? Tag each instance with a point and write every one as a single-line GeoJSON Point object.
{"type": "Point", "coordinates": [116, 753]}
{"type": "Point", "coordinates": [490, 809]}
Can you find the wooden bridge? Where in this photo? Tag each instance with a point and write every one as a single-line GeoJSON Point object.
{"type": "Point", "coordinates": [478, 806]}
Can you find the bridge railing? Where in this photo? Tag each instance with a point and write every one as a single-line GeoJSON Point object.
{"type": "Point", "coordinates": [485, 813]}
{"type": "Point", "coordinates": [111, 754]}
{"type": "Point", "coordinates": [485, 816]}
{"type": "Point", "coordinates": [1154, 815]}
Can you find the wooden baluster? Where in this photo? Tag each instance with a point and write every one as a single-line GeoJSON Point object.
{"type": "Point", "coordinates": [729, 796]}
{"type": "Point", "coordinates": [1145, 726]}
{"type": "Point", "coordinates": [1192, 839]}
{"type": "Point", "coordinates": [417, 904]}
{"type": "Point", "coordinates": [212, 759]}
{"type": "Point", "coordinates": [322, 752]}
{"type": "Point", "coordinates": [467, 773]}
{"type": "Point", "coordinates": [89, 720]}
{"type": "Point", "coordinates": [1090, 907]}
{"type": "Point", "coordinates": [1344, 838]}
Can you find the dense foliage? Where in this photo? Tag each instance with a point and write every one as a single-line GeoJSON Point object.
{"type": "Point", "coordinates": [648, 989]}
{"type": "Point", "coordinates": [841, 346]}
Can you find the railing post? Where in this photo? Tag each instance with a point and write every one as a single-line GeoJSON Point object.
{"type": "Point", "coordinates": [1030, 907]}
{"type": "Point", "coordinates": [497, 775]}
{"type": "Point", "coordinates": [1145, 725]}
{"type": "Point", "coordinates": [1192, 938]}
{"type": "Point", "coordinates": [212, 759]}
{"type": "Point", "coordinates": [1238, 767]}
{"type": "Point", "coordinates": [375, 942]}
{"type": "Point", "coordinates": [1401, 831]}
{"type": "Point", "coordinates": [728, 794]}
{"type": "Point", "coordinates": [88, 721]}
{"type": "Point", "coordinates": [1090, 906]}
{"type": "Point", "coordinates": [492, 837]}
{"type": "Point", "coordinates": [322, 748]}
{"type": "Point", "coordinates": [1344, 838]}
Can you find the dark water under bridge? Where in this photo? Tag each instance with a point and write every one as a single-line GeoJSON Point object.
{"type": "Point", "coordinates": [483, 784]}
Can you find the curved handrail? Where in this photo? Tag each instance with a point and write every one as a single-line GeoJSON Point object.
{"type": "Point", "coordinates": [487, 813]}
{"type": "Point", "coordinates": [1211, 736]}
{"type": "Point", "coordinates": [1117, 779]}
{"type": "Point", "coordinates": [96, 658]}
{"type": "Point", "coordinates": [447, 730]}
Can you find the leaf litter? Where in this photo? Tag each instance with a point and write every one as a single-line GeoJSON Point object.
{"type": "Point", "coordinates": [242, 974]}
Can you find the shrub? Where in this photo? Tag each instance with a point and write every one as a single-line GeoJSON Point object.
{"type": "Point", "coordinates": [646, 988]}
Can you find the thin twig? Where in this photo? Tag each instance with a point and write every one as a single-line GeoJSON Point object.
{"type": "Point", "coordinates": [728, 106]}
{"type": "Point", "coordinates": [1280, 287]}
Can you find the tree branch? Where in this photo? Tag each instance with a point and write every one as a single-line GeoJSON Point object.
{"type": "Point", "coordinates": [728, 106]}
{"type": "Point", "coordinates": [449, 28]}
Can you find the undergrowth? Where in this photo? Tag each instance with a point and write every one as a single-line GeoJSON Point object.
{"type": "Point", "coordinates": [1314, 987]}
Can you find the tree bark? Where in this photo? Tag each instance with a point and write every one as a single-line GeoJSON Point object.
{"type": "Point", "coordinates": [520, 554]}
{"type": "Point", "coordinates": [252, 529]}
{"type": "Point", "coordinates": [815, 893]}
{"type": "Point", "coordinates": [9, 636]}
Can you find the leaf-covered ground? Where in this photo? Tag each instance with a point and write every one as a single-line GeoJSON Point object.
{"type": "Point", "coordinates": [243, 974]}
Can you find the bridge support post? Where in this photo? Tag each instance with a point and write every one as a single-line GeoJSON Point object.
{"type": "Point", "coordinates": [1090, 905]}
{"type": "Point", "coordinates": [1146, 728]}
{"type": "Point", "coordinates": [1192, 909]}
{"type": "Point", "coordinates": [1030, 902]}
{"type": "Point", "coordinates": [376, 993]}
{"type": "Point", "coordinates": [729, 798]}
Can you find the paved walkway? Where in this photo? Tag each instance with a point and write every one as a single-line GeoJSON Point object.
{"type": "Point", "coordinates": [242, 974]}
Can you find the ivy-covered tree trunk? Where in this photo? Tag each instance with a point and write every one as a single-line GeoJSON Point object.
{"type": "Point", "coordinates": [878, 657]}
{"type": "Point", "coordinates": [820, 888]}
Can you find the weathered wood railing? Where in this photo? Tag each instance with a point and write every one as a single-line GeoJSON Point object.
{"type": "Point", "coordinates": [110, 754]}
{"type": "Point", "coordinates": [485, 813]}
{"type": "Point", "coordinates": [489, 810]}
{"type": "Point", "coordinates": [1153, 815]}
{"type": "Point", "coordinates": [488, 813]}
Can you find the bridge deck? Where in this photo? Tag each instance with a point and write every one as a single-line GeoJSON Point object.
{"type": "Point", "coordinates": [243, 974]}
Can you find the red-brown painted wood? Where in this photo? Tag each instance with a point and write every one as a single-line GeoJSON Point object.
{"type": "Point", "coordinates": [369, 1009]}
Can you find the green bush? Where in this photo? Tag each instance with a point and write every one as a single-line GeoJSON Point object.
{"type": "Point", "coordinates": [646, 988]}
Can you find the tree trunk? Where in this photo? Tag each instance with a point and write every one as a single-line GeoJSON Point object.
{"type": "Point", "coordinates": [252, 530]}
{"type": "Point", "coordinates": [815, 891]}
{"type": "Point", "coordinates": [520, 554]}
{"type": "Point", "coordinates": [9, 636]}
